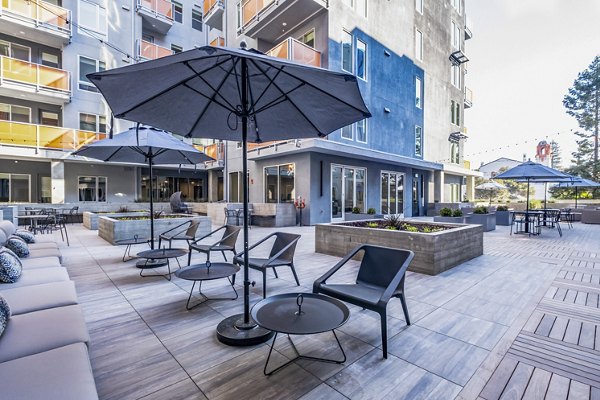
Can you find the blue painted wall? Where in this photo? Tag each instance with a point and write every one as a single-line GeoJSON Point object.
{"type": "Point", "coordinates": [390, 83]}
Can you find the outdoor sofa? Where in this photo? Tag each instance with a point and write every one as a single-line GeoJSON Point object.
{"type": "Point", "coordinates": [44, 347]}
{"type": "Point", "coordinates": [590, 215]}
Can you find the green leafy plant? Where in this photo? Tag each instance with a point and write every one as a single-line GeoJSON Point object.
{"type": "Point", "coordinates": [372, 225]}
{"type": "Point", "coordinates": [457, 213]}
{"type": "Point", "coordinates": [391, 228]}
{"type": "Point", "coordinates": [480, 210]}
{"type": "Point", "coordinates": [445, 212]}
{"type": "Point", "coordinates": [355, 210]}
{"type": "Point", "coordinates": [502, 208]}
{"type": "Point", "coordinates": [393, 220]}
{"type": "Point", "coordinates": [535, 204]}
{"type": "Point", "coordinates": [123, 209]}
{"type": "Point", "coordinates": [411, 228]}
{"type": "Point", "coordinates": [371, 211]}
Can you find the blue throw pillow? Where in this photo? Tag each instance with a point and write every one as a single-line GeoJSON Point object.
{"type": "Point", "coordinates": [18, 246]}
{"type": "Point", "coordinates": [27, 236]}
{"type": "Point", "coordinates": [4, 314]}
{"type": "Point", "coordinates": [10, 266]}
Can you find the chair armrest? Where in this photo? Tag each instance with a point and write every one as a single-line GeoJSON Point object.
{"type": "Point", "coordinates": [208, 234]}
{"type": "Point", "coordinates": [222, 240]}
{"type": "Point", "coordinates": [389, 291]}
{"type": "Point", "coordinates": [280, 252]}
{"type": "Point", "coordinates": [175, 227]}
{"type": "Point", "coordinates": [319, 281]}
{"type": "Point", "coordinates": [255, 244]}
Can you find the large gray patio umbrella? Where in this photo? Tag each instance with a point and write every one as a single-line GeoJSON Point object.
{"type": "Point", "coordinates": [240, 95]}
{"type": "Point", "coordinates": [144, 145]}
{"type": "Point", "coordinates": [530, 172]}
{"type": "Point", "coordinates": [490, 186]}
{"type": "Point", "coordinates": [577, 183]}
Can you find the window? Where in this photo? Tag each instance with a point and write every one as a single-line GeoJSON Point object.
{"type": "Point", "coordinates": [361, 59]}
{"type": "Point", "coordinates": [419, 6]}
{"type": "Point", "coordinates": [88, 66]}
{"type": "Point", "coordinates": [177, 12]}
{"type": "Point", "coordinates": [456, 75]}
{"type": "Point", "coordinates": [279, 184]}
{"type": "Point", "coordinates": [239, 17]}
{"type": "Point", "coordinates": [418, 93]}
{"type": "Point", "coordinates": [308, 38]}
{"type": "Point", "coordinates": [92, 122]}
{"type": "Point", "coordinates": [418, 45]}
{"type": "Point", "coordinates": [14, 50]}
{"type": "Point", "coordinates": [49, 59]}
{"type": "Point", "coordinates": [455, 153]}
{"type": "Point", "coordinates": [92, 188]}
{"type": "Point", "coordinates": [347, 132]}
{"type": "Point", "coordinates": [197, 19]}
{"type": "Point", "coordinates": [176, 49]}
{"type": "Point", "coordinates": [457, 5]}
{"type": "Point", "coordinates": [418, 141]}
{"type": "Point", "coordinates": [361, 131]}
{"type": "Point", "coordinates": [15, 187]}
{"type": "Point", "coordinates": [348, 190]}
{"type": "Point", "coordinates": [92, 17]}
{"type": "Point", "coordinates": [455, 35]}
{"type": "Point", "coordinates": [49, 118]}
{"type": "Point", "coordinates": [235, 188]}
{"type": "Point", "coordinates": [11, 112]}
{"type": "Point", "coordinates": [361, 7]}
{"type": "Point", "coordinates": [147, 38]}
{"type": "Point", "coordinates": [347, 51]}
{"type": "Point", "coordinates": [455, 112]}
{"type": "Point", "coordinates": [392, 193]}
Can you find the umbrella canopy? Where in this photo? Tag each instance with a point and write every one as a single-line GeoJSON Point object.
{"type": "Point", "coordinates": [240, 95]}
{"type": "Point", "coordinates": [144, 145]}
{"type": "Point", "coordinates": [490, 186]}
{"type": "Point", "coordinates": [530, 171]}
{"type": "Point", "coordinates": [577, 183]}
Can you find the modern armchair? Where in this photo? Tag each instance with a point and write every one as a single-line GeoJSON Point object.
{"type": "Point", "coordinates": [177, 205]}
{"type": "Point", "coordinates": [185, 231]}
{"type": "Point", "coordinates": [226, 243]}
{"type": "Point", "coordinates": [380, 277]}
{"type": "Point", "coordinates": [282, 254]}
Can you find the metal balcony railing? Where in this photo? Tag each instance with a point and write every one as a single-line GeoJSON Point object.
{"type": "Point", "coordinates": [252, 8]}
{"type": "Point", "coordinates": [40, 13]}
{"type": "Point", "coordinates": [151, 51]}
{"type": "Point", "coordinates": [33, 75]}
{"type": "Point", "coordinates": [160, 8]}
{"type": "Point", "coordinates": [45, 137]}
{"type": "Point", "coordinates": [295, 50]}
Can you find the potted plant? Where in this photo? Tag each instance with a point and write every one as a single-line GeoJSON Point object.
{"type": "Point", "coordinates": [481, 216]}
{"type": "Point", "coordinates": [357, 214]}
{"type": "Point", "coordinates": [448, 215]}
{"type": "Point", "coordinates": [502, 216]}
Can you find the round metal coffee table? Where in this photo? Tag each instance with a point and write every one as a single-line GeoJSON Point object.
{"type": "Point", "coordinates": [130, 242]}
{"type": "Point", "coordinates": [300, 314]}
{"type": "Point", "coordinates": [207, 272]}
{"type": "Point", "coordinates": [159, 254]}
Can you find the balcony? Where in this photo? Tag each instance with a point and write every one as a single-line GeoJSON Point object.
{"type": "Point", "coordinates": [466, 164]}
{"type": "Point", "coordinates": [264, 19]}
{"type": "Point", "coordinates": [34, 81]}
{"type": "Point", "coordinates": [150, 51]}
{"type": "Point", "coordinates": [468, 98]}
{"type": "Point", "coordinates": [294, 50]}
{"type": "Point", "coordinates": [216, 151]}
{"type": "Point", "coordinates": [36, 21]}
{"type": "Point", "coordinates": [213, 13]}
{"type": "Point", "coordinates": [468, 32]}
{"type": "Point", "coordinates": [158, 14]}
{"type": "Point", "coordinates": [218, 42]}
{"type": "Point", "coordinates": [45, 137]}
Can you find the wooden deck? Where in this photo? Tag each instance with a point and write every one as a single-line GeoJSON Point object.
{"type": "Point", "coordinates": [518, 322]}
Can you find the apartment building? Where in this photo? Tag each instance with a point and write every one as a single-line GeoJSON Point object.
{"type": "Point", "coordinates": [48, 108]}
{"type": "Point", "coordinates": [409, 57]}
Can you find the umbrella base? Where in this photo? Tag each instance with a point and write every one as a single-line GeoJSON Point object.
{"type": "Point", "coordinates": [150, 263]}
{"type": "Point", "coordinates": [231, 331]}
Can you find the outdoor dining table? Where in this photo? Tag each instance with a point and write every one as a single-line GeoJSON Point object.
{"type": "Point", "coordinates": [33, 220]}
{"type": "Point", "coordinates": [530, 218]}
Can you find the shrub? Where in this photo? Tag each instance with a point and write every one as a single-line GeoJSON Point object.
{"type": "Point", "coordinates": [391, 228]}
{"type": "Point", "coordinates": [393, 220]}
{"type": "Point", "coordinates": [480, 210]}
{"type": "Point", "coordinates": [372, 225]}
{"type": "Point", "coordinates": [502, 208]}
{"type": "Point", "coordinates": [123, 209]}
{"type": "Point", "coordinates": [410, 228]}
{"type": "Point", "coordinates": [445, 212]}
{"type": "Point", "coordinates": [371, 211]}
{"type": "Point", "coordinates": [535, 204]}
{"type": "Point", "coordinates": [457, 213]}
{"type": "Point", "coordinates": [356, 210]}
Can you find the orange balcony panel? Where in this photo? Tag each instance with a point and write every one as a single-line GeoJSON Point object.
{"type": "Point", "coordinates": [33, 78]}
{"type": "Point", "coordinates": [294, 50]}
{"type": "Point", "coordinates": [18, 134]}
{"type": "Point", "coordinates": [251, 9]}
{"type": "Point", "coordinates": [49, 137]}
{"type": "Point", "coordinates": [151, 51]}
{"type": "Point", "coordinates": [161, 7]}
{"type": "Point", "coordinates": [218, 41]}
{"type": "Point", "coordinates": [56, 138]}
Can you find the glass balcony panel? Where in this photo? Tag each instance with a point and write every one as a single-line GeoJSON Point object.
{"type": "Point", "coordinates": [54, 15]}
{"type": "Point", "coordinates": [50, 137]}
{"type": "Point", "coordinates": [251, 8]}
{"type": "Point", "coordinates": [162, 7]}
{"type": "Point", "coordinates": [208, 5]}
{"type": "Point", "coordinates": [17, 134]}
{"type": "Point", "coordinates": [87, 137]}
{"type": "Point", "coordinates": [23, 7]}
{"type": "Point", "coordinates": [34, 74]}
{"type": "Point", "coordinates": [56, 137]}
{"type": "Point", "coordinates": [280, 51]}
{"type": "Point", "coordinates": [218, 41]}
{"type": "Point", "coordinates": [305, 54]}
{"type": "Point", "coordinates": [151, 51]}
{"type": "Point", "coordinates": [53, 78]}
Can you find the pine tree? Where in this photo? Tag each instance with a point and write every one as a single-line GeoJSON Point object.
{"type": "Point", "coordinates": [583, 103]}
{"type": "Point", "coordinates": [556, 157]}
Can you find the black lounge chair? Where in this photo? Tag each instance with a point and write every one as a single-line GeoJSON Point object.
{"type": "Point", "coordinates": [380, 277]}
{"type": "Point", "coordinates": [282, 254]}
{"type": "Point", "coordinates": [186, 231]}
{"type": "Point", "coordinates": [226, 243]}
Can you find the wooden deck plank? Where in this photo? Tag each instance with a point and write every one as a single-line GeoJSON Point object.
{"type": "Point", "coordinates": [518, 382]}
{"type": "Point", "coordinates": [538, 385]}
{"type": "Point", "coordinates": [558, 389]}
{"type": "Point", "coordinates": [496, 384]}
{"type": "Point", "coordinates": [579, 391]}
{"type": "Point", "coordinates": [573, 331]}
{"type": "Point", "coordinates": [545, 325]}
{"type": "Point", "coordinates": [588, 335]}
{"type": "Point", "coordinates": [559, 328]}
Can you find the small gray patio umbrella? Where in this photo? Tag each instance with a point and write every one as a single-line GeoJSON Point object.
{"type": "Point", "coordinates": [144, 145]}
{"type": "Point", "coordinates": [530, 172]}
{"type": "Point", "coordinates": [577, 183]}
{"type": "Point", "coordinates": [240, 95]}
{"type": "Point", "coordinates": [490, 186]}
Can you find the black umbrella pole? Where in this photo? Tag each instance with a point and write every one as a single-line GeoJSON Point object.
{"type": "Point", "coordinates": [245, 187]}
{"type": "Point", "coordinates": [151, 207]}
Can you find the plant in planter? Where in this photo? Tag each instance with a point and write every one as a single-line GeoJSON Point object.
{"type": "Point", "coordinates": [355, 210]}
{"type": "Point", "coordinates": [446, 212]}
{"type": "Point", "coordinates": [371, 211]}
{"type": "Point", "coordinates": [457, 213]}
{"type": "Point", "coordinates": [481, 216]}
{"type": "Point", "coordinates": [449, 215]}
{"type": "Point", "coordinates": [480, 210]}
{"type": "Point", "coordinates": [502, 216]}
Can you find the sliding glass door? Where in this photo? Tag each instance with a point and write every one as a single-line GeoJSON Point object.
{"type": "Point", "coordinates": [348, 190]}
{"type": "Point", "coordinates": [392, 193]}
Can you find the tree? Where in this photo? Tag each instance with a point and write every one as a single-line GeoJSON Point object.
{"type": "Point", "coordinates": [583, 103]}
{"type": "Point", "coordinates": [556, 158]}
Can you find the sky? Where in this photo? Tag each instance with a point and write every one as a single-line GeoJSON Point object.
{"type": "Point", "coordinates": [524, 56]}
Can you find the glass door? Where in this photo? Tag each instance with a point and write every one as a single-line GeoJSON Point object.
{"type": "Point", "coordinates": [348, 190]}
{"type": "Point", "coordinates": [336, 193]}
{"type": "Point", "coordinates": [392, 193]}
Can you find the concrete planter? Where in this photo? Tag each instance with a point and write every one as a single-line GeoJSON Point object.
{"type": "Point", "coordinates": [449, 220]}
{"type": "Point", "coordinates": [90, 219]}
{"type": "Point", "coordinates": [487, 220]}
{"type": "Point", "coordinates": [503, 218]}
{"type": "Point", "coordinates": [361, 217]}
{"type": "Point", "coordinates": [434, 252]}
{"type": "Point", "coordinates": [112, 230]}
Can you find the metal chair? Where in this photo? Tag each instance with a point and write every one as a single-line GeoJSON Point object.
{"type": "Point", "coordinates": [282, 254]}
{"type": "Point", "coordinates": [231, 217]}
{"type": "Point", "coordinates": [380, 277]}
{"type": "Point", "coordinates": [180, 232]}
{"type": "Point", "coordinates": [55, 222]}
{"type": "Point", "coordinates": [72, 215]}
{"type": "Point", "coordinates": [226, 243]}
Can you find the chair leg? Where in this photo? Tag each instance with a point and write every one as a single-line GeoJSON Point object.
{"type": "Point", "coordinates": [190, 256]}
{"type": "Point", "coordinates": [559, 228]}
{"type": "Point", "coordinates": [159, 241]}
{"type": "Point", "coordinates": [383, 318]}
{"type": "Point", "coordinates": [67, 236]}
{"type": "Point", "coordinates": [223, 252]}
{"type": "Point", "coordinates": [295, 275]}
{"type": "Point", "coordinates": [264, 284]}
{"type": "Point", "coordinates": [404, 308]}
{"type": "Point", "coordinates": [275, 272]}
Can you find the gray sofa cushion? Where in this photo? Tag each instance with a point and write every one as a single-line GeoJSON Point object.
{"type": "Point", "coordinates": [37, 253]}
{"type": "Point", "coordinates": [43, 245]}
{"type": "Point", "coordinates": [43, 330]}
{"type": "Point", "coordinates": [18, 246]}
{"type": "Point", "coordinates": [8, 227]}
{"type": "Point", "coordinates": [4, 314]}
{"type": "Point", "coordinates": [40, 297]}
{"type": "Point", "coordinates": [41, 262]}
{"type": "Point", "coordinates": [38, 276]}
{"type": "Point", "coordinates": [63, 373]}
{"type": "Point", "coordinates": [10, 266]}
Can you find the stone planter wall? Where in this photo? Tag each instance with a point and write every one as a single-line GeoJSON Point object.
{"type": "Point", "coordinates": [112, 230]}
{"type": "Point", "coordinates": [361, 217]}
{"type": "Point", "coordinates": [434, 252]}
{"type": "Point", "coordinates": [90, 219]}
{"type": "Point", "coordinates": [449, 220]}
{"type": "Point", "coordinates": [503, 218]}
{"type": "Point", "coordinates": [488, 221]}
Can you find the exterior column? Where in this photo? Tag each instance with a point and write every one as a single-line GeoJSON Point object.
{"type": "Point", "coordinates": [213, 186]}
{"type": "Point", "coordinates": [57, 180]}
{"type": "Point", "coordinates": [470, 188]}
{"type": "Point", "coordinates": [438, 181]}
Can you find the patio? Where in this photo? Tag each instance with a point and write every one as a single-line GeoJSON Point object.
{"type": "Point", "coordinates": [528, 304]}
